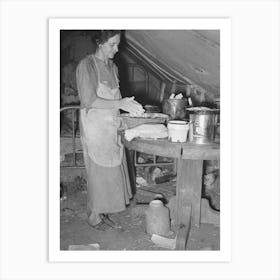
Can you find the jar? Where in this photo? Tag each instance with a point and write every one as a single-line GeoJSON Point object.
{"type": "Point", "coordinates": [157, 218]}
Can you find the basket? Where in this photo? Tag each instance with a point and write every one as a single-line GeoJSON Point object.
{"type": "Point", "coordinates": [129, 122]}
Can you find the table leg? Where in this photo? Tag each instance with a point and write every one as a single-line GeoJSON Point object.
{"type": "Point", "coordinates": [131, 168]}
{"type": "Point", "coordinates": [188, 191]}
{"type": "Point", "coordinates": [184, 230]}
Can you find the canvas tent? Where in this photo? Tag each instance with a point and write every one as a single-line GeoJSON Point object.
{"type": "Point", "coordinates": [185, 56]}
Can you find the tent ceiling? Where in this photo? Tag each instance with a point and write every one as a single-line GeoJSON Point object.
{"type": "Point", "coordinates": [188, 56]}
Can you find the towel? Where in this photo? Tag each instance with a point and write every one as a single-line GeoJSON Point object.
{"type": "Point", "coordinates": [153, 131]}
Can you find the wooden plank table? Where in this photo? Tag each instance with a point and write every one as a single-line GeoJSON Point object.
{"type": "Point", "coordinates": [189, 205]}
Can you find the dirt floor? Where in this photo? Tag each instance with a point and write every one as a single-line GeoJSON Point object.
{"type": "Point", "coordinates": [74, 229]}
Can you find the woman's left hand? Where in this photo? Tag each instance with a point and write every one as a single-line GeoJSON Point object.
{"type": "Point", "coordinates": [128, 104]}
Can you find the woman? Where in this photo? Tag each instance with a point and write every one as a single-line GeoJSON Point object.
{"type": "Point", "coordinates": [109, 188]}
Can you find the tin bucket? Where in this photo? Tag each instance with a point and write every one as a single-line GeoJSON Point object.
{"type": "Point", "coordinates": [202, 127]}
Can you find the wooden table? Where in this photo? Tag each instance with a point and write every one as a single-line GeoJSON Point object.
{"type": "Point", "coordinates": [191, 209]}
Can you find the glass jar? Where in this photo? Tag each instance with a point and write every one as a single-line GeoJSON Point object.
{"type": "Point", "coordinates": [157, 218]}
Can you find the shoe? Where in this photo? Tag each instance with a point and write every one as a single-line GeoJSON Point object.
{"type": "Point", "coordinates": [102, 226]}
{"type": "Point", "coordinates": [109, 222]}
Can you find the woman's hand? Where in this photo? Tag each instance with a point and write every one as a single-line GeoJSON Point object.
{"type": "Point", "coordinates": [128, 104]}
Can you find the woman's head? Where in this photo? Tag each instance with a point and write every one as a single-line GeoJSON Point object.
{"type": "Point", "coordinates": [107, 42]}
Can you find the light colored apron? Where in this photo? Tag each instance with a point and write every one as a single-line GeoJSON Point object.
{"type": "Point", "coordinates": [99, 129]}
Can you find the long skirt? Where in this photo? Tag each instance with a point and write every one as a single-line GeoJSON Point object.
{"type": "Point", "coordinates": [108, 188]}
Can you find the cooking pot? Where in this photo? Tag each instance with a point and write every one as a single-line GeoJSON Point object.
{"type": "Point", "coordinates": [175, 108]}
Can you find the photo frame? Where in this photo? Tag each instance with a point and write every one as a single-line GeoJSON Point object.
{"type": "Point", "coordinates": [55, 26]}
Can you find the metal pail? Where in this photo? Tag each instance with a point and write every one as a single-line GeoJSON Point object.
{"type": "Point", "coordinates": [202, 127]}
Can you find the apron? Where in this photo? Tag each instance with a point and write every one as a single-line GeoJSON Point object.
{"type": "Point", "coordinates": [100, 127]}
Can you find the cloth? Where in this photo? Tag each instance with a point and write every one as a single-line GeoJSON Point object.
{"type": "Point", "coordinates": [109, 187]}
{"type": "Point", "coordinates": [153, 131]}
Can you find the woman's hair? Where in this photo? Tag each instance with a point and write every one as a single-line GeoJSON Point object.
{"type": "Point", "coordinates": [101, 36]}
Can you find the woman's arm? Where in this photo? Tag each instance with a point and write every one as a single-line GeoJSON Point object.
{"type": "Point", "coordinates": [127, 104]}
{"type": "Point", "coordinates": [86, 80]}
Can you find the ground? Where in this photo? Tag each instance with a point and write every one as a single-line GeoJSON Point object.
{"type": "Point", "coordinates": [74, 229]}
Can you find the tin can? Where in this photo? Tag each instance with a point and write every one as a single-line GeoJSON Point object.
{"type": "Point", "coordinates": [202, 127]}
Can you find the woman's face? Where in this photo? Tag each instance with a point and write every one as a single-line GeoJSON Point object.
{"type": "Point", "coordinates": [110, 47]}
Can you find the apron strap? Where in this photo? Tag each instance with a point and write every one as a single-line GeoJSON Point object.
{"type": "Point", "coordinates": [98, 73]}
{"type": "Point", "coordinates": [97, 69]}
{"type": "Point", "coordinates": [116, 77]}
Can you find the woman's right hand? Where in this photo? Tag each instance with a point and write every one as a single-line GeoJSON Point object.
{"type": "Point", "coordinates": [128, 104]}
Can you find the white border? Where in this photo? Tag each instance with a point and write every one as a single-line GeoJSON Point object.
{"type": "Point", "coordinates": [255, 151]}
{"type": "Point", "coordinates": [55, 25]}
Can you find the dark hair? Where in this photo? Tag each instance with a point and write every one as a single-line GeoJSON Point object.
{"type": "Point", "coordinates": [101, 36]}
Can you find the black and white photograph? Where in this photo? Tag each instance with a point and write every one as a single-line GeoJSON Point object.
{"type": "Point", "coordinates": [140, 139]}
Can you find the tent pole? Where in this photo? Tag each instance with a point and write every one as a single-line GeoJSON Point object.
{"type": "Point", "coordinates": [163, 86]}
